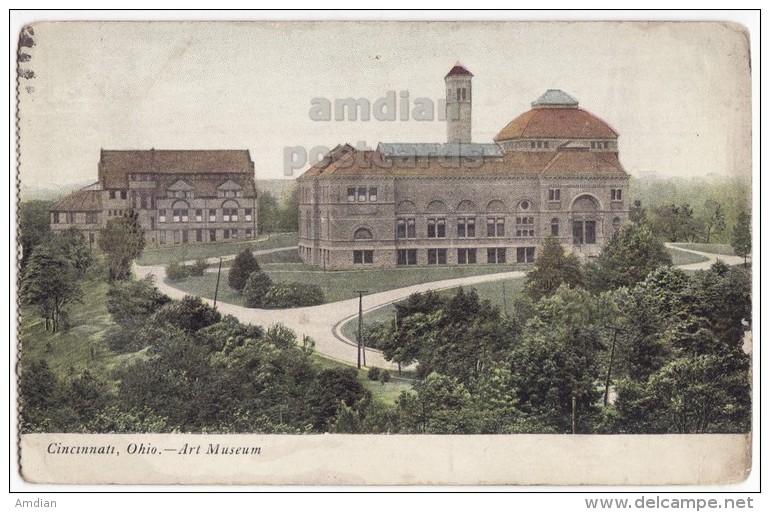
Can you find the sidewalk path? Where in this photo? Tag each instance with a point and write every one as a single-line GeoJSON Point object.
{"type": "Point", "coordinates": [323, 323]}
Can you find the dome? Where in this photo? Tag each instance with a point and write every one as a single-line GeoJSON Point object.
{"type": "Point", "coordinates": [555, 115]}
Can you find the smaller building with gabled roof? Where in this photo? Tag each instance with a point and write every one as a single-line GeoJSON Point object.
{"type": "Point", "coordinates": [180, 196]}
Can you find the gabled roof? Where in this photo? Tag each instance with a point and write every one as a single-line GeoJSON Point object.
{"type": "Point", "coordinates": [514, 163]}
{"type": "Point", "coordinates": [180, 185]}
{"type": "Point", "coordinates": [437, 150]}
{"type": "Point", "coordinates": [83, 200]}
{"type": "Point", "coordinates": [115, 165]}
{"type": "Point", "coordinates": [229, 185]}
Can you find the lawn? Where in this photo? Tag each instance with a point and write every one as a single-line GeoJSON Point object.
{"type": "Point", "coordinates": [80, 348]}
{"type": "Point", "coordinates": [386, 393]}
{"type": "Point", "coordinates": [684, 258]}
{"type": "Point", "coordinates": [341, 284]}
{"type": "Point", "coordinates": [723, 249]}
{"type": "Point", "coordinates": [165, 255]}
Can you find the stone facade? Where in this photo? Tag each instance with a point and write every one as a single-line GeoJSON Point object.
{"type": "Point", "coordinates": [552, 171]}
{"type": "Point", "coordinates": [180, 197]}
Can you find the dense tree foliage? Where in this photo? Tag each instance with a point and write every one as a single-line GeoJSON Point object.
{"type": "Point", "coordinates": [741, 239]}
{"type": "Point", "coordinates": [34, 227]}
{"type": "Point", "coordinates": [631, 254]}
{"type": "Point", "coordinates": [256, 289]}
{"type": "Point", "coordinates": [243, 266]}
{"type": "Point", "coordinates": [553, 267]}
{"type": "Point", "coordinates": [121, 241]}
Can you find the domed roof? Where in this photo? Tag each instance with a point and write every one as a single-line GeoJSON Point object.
{"type": "Point", "coordinates": [555, 115]}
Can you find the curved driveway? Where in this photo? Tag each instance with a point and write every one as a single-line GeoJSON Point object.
{"type": "Point", "coordinates": [322, 323]}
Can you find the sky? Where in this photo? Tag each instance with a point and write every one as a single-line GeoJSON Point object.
{"type": "Point", "coordinates": [678, 93]}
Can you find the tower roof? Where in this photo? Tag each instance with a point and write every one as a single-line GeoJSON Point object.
{"type": "Point", "coordinates": [555, 98]}
{"type": "Point", "coordinates": [458, 69]}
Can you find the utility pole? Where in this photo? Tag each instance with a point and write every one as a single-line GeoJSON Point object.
{"type": "Point", "coordinates": [505, 303]}
{"type": "Point", "coordinates": [609, 370]}
{"type": "Point", "coordinates": [360, 325]}
{"type": "Point", "coordinates": [216, 290]}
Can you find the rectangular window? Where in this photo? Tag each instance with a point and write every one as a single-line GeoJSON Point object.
{"type": "Point", "coordinates": [177, 237]}
{"type": "Point", "coordinates": [361, 194]}
{"type": "Point", "coordinates": [227, 234]}
{"type": "Point", "coordinates": [401, 228]}
{"type": "Point", "coordinates": [143, 202]}
{"type": "Point", "coordinates": [436, 256]}
{"type": "Point", "coordinates": [233, 214]}
{"type": "Point", "coordinates": [360, 257]}
{"type": "Point", "coordinates": [162, 237]}
{"type": "Point", "coordinates": [555, 227]}
{"type": "Point", "coordinates": [198, 235]}
{"type": "Point", "coordinates": [496, 227]}
{"type": "Point", "coordinates": [247, 214]}
{"type": "Point", "coordinates": [91, 237]}
{"type": "Point", "coordinates": [372, 193]}
{"type": "Point", "coordinates": [525, 227]}
{"type": "Point", "coordinates": [525, 255]}
{"type": "Point", "coordinates": [466, 256]}
{"type": "Point", "coordinates": [248, 233]}
{"type": "Point", "coordinates": [185, 236]}
{"type": "Point", "coordinates": [185, 216]}
{"type": "Point", "coordinates": [177, 215]}
{"type": "Point", "coordinates": [351, 194]}
{"type": "Point", "coordinates": [198, 215]}
{"type": "Point", "coordinates": [161, 215]}
{"type": "Point", "coordinates": [123, 194]}
{"type": "Point", "coordinates": [212, 215]}
{"type": "Point", "coordinates": [91, 218]}
{"type": "Point", "coordinates": [225, 214]}
{"type": "Point", "coordinates": [437, 228]}
{"type": "Point", "coordinates": [496, 255]}
{"type": "Point", "coordinates": [212, 235]}
{"type": "Point", "coordinates": [233, 233]}
{"type": "Point", "coordinates": [466, 227]}
{"type": "Point", "coordinates": [112, 194]}
{"type": "Point", "coordinates": [616, 194]}
{"type": "Point", "coordinates": [407, 257]}
{"type": "Point", "coordinates": [554, 194]}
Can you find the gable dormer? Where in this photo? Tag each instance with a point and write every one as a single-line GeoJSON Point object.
{"type": "Point", "coordinates": [229, 189]}
{"type": "Point", "coordinates": [180, 188]}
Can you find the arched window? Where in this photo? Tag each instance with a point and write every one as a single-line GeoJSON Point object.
{"type": "Point", "coordinates": [181, 211]}
{"type": "Point", "coordinates": [230, 211]}
{"type": "Point", "coordinates": [362, 234]}
{"type": "Point", "coordinates": [555, 227]}
{"type": "Point", "coordinates": [437, 207]}
{"type": "Point", "coordinates": [496, 206]}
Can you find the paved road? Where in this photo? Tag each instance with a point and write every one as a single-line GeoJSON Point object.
{"type": "Point", "coordinates": [712, 258]}
{"type": "Point", "coordinates": [322, 323]}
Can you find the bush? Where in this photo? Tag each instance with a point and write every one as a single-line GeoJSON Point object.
{"type": "Point", "coordinates": [293, 295]}
{"type": "Point", "coordinates": [244, 265]}
{"type": "Point", "coordinates": [256, 290]}
{"type": "Point", "coordinates": [384, 376]}
{"type": "Point", "coordinates": [374, 373]}
{"type": "Point", "coordinates": [198, 268]}
{"type": "Point", "coordinates": [175, 271]}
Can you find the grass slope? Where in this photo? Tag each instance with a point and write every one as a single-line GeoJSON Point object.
{"type": "Point", "coordinates": [165, 255]}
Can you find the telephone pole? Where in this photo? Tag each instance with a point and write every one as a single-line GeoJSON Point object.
{"type": "Point", "coordinates": [361, 325]}
{"type": "Point", "coordinates": [216, 290]}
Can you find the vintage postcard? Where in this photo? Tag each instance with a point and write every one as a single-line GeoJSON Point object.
{"type": "Point", "coordinates": [385, 253]}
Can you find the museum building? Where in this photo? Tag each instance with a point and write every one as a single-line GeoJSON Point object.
{"type": "Point", "coordinates": [180, 196]}
{"type": "Point", "coordinates": [553, 170]}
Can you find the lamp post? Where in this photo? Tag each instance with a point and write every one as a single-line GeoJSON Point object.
{"type": "Point", "coordinates": [361, 327]}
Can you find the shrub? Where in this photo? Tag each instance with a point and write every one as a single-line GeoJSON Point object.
{"type": "Point", "coordinates": [374, 373]}
{"type": "Point", "coordinates": [244, 265]}
{"type": "Point", "coordinates": [257, 288]}
{"type": "Point", "coordinates": [384, 376]}
{"type": "Point", "coordinates": [198, 268]}
{"type": "Point", "coordinates": [175, 271]}
{"type": "Point", "coordinates": [293, 295]}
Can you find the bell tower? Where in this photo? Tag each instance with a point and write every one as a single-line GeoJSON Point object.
{"type": "Point", "coordinates": [458, 104]}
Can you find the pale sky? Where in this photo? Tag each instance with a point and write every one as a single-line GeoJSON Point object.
{"type": "Point", "coordinates": [678, 93]}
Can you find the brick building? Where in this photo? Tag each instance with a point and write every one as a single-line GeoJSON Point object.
{"type": "Point", "coordinates": [553, 170]}
{"type": "Point", "coordinates": [180, 196]}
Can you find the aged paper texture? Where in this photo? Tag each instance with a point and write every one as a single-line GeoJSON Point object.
{"type": "Point", "coordinates": [385, 253]}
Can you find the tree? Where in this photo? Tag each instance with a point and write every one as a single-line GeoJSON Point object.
{"type": "Point", "coordinates": [552, 269]}
{"type": "Point", "coordinates": [741, 240]}
{"type": "Point", "coordinates": [49, 282]}
{"type": "Point", "coordinates": [674, 222]}
{"type": "Point", "coordinates": [631, 254]}
{"type": "Point", "coordinates": [267, 208]}
{"type": "Point", "coordinates": [243, 266]}
{"type": "Point", "coordinates": [257, 287]}
{"type": "Point", "coordinates": [712, 219]}
{"type": "Point", "coordinates": [331, 388]}
{"type": "Point", "coordinates": [72, 244]}
{"type": "Point", "coordinates": [132, 302]}
{"type": "Point", "coordinates": [34, 227]}
{"type": "Point", "coordinates": [122, 241]}
{"type": "Point", "coordinates": [289, 212]}
{"type": "Point", "coordinates": [190, 314]}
